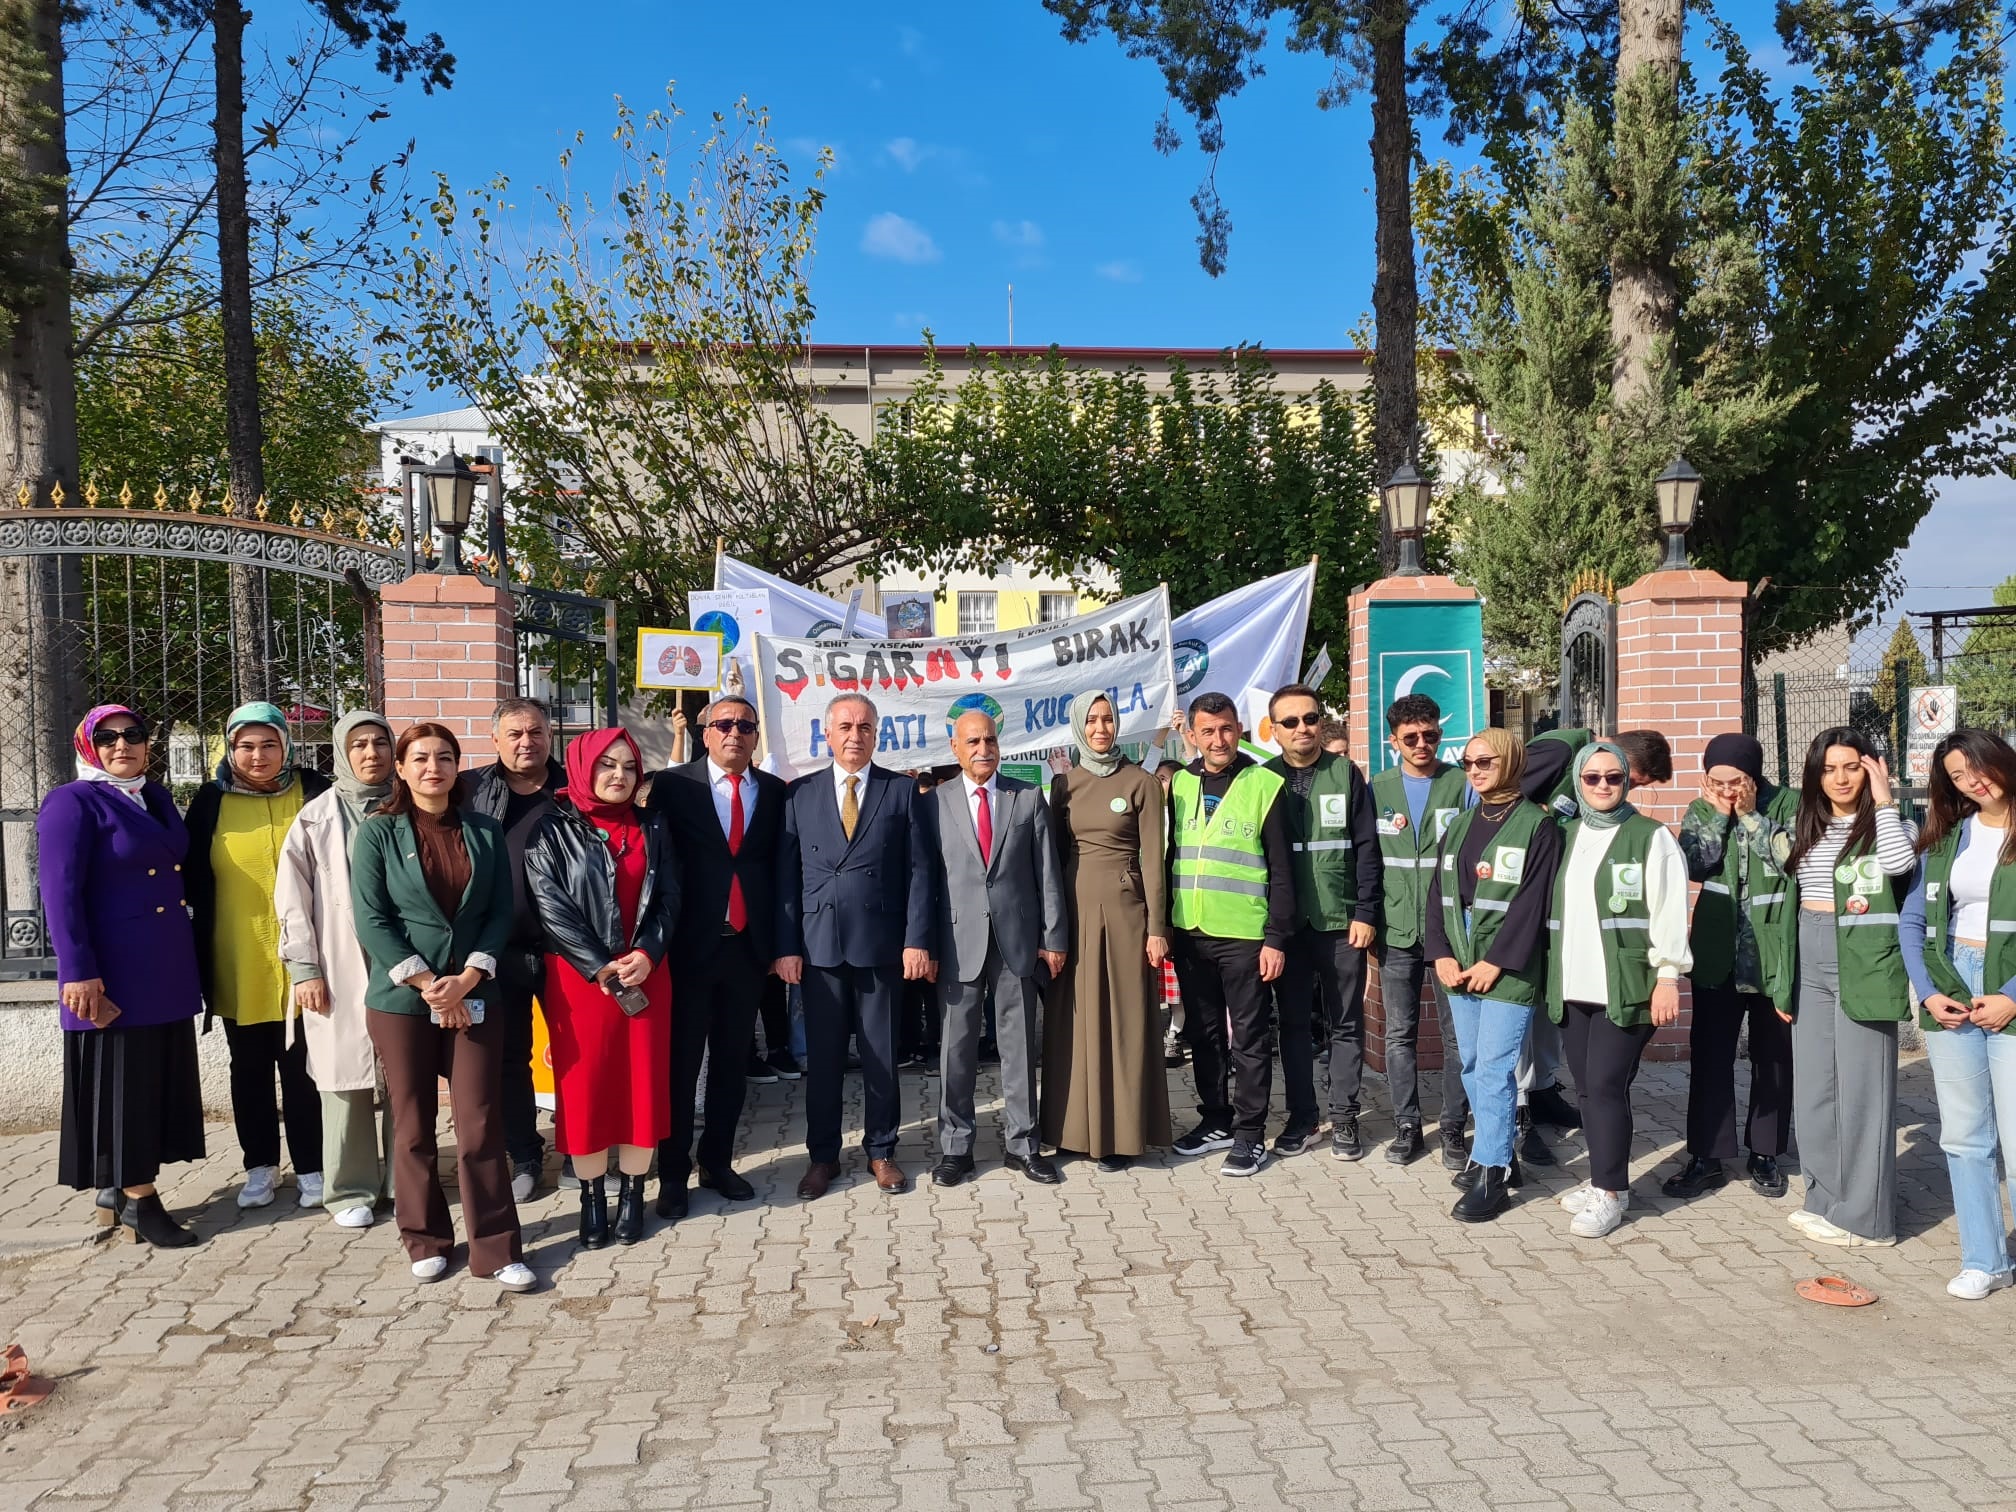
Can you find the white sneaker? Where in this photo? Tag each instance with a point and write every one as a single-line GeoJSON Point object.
{"type": "Point", "coordinates": [354, 1217]}
{"type": "Point", "coordinates": [258, 1188]}
{"type": "Point", "coordinates": [1820, 1231]}
{"type": "Point", "coordinates": [433, 1268]}
{"type": "Point", "coordinates": [1973, 1285]}
{"type": "Point", "coordinates": [1799, 1218]}
{"type": "Point", "coordinates": [1600, 1214]}
{"type": "Point", "coordinates": [311, 1189]}
{"type": "Point", "coordinates": [1575, 1198]}
{"type": "Point", "coordinates": [516, 1277]}
{"type": "Point", "coordinates": [523, 1185]}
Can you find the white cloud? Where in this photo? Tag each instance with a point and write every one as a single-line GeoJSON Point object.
{"type": "Point", "coordinates": [890, 235]}
{"type": "Point", "coordinates": [1025, 234]}
{"type": "Point", "coordinates": [1120, 270]}
{"type": "Point", "coordinates": [909, 154]}
{"type": "Point", "coordinates": [910, 322]}
{"type": "Point", "coordinates": [910, 42]}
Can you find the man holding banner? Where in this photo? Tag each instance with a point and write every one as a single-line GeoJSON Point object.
{"type": "Point", "coordinates": [1232, 902]}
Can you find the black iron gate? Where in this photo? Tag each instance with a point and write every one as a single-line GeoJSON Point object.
{"type": "Point", "coordinates": [566, 655]}
{"type": "Point", "coordinates": [1589, 659]}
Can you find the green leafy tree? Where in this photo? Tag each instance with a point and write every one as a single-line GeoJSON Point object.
{"type": "Point", "coordinates": [1206, 485]}
{"type": "Point", "coordinates": [1985, 670]}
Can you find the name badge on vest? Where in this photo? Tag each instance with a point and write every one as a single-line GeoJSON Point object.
{"type": "Point", "coordinates": [1868, 873]}
{"type": "Point", "coordinates": [1509, 861]}
{"type": "Point", "coordinates": [1931, 892]}
{"type": "Point", "coordinates": [1334, 812]}
{"type": "Point", "coordinates": [1627, 884]}
{"type": "Point", "coordinates": [1443, 819]}
{"type": "Point", "coordinates": [1392, 822]}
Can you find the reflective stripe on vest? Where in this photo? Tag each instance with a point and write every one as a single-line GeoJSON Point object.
{"type": "Point", "coordinates": [1219, 871]}
{"type": "Point", "coordinates": [2000, 963]}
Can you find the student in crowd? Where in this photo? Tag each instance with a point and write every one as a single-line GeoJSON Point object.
{"type": "Point", "coordinates": [603, 881]}
{"type": "Point", "coordinates": [1486, 933]}
{"type": "Point", "coordinates": [430, 884]}
{"type": "Point", "coordinates": [515, 790]}
{"type": "Point", "coordinates": [1549, 781]}
{"type": "Point", "coordinates": [1334, 849]}
{"type": "Point", "coordinates": [1415, 800]}
{"type": "Point", "coordinates": [329, 972]}
{"type": "Point", "coordinates": [238, 822]}
{"type": "Point", "coordinates": [1851, 856]}
{"type": "Point", "coordinates": [1958, 936]}
{"type": "Point", "coordinates": [1618, 946]}
{"type": "Point", "coordinates": [1650, 755]}
{"type": "Point", "coordinates": [1105, 1090]}
{"type": "Point", "coordinates": [110, 853]}
{"type": "Point", "coordinates": [1744, 947]}
{"type": "Point", "coordinates": [1232, 891]}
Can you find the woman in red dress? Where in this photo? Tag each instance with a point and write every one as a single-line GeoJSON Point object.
{"type": "Point", "coordinates": [600, 873]}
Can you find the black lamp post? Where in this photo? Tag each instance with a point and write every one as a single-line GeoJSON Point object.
{"type": "Point", "coordinates": [1679, 490]}
{"type": "Point", "coordinates": [451, 498]}
{"type": "Point", "coordinates": [1404, 501]}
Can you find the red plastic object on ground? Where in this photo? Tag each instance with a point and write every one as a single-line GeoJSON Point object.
{"type": "Point", "coordinates": [18, 1388]}
{"type": "Point", "coordinates": [1835, 1292]}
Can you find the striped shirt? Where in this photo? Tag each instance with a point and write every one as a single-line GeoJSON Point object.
{"type": "Point", "coordinates": [1894, 853]}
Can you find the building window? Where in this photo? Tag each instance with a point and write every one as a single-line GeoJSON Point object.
{"type": "Point", "coordinates": [1055, 606]}
{"type": "Point", "coordinates": [976, 614]}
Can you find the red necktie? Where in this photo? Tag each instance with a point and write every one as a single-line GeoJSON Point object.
{"type": "Point", "coordinates": [738, 911]}
{"type": "Point", "coordinates": [985, 826]}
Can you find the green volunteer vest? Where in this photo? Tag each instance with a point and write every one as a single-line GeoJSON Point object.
{"type": "Point", "coordinates": [1319, 831]}
{"type": "Point", "coordinates": [1874, 986]}
{"type": "Point", "coordinates": [1938, 921]}
{"type": "Point", "coordinates": [1408, 849]}
{"type": "Point", "coordinates": [1766, 896]}
{"type": "Point", "coordinates": [1626, 916]}
{"type": "Point", "coordinates": [1506, 857]}
{"type": "Point", "coordinates": [1218, 880]}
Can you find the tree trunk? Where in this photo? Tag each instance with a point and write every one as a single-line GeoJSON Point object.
{"type": "Point", "coordinates": [242, 431]}
{"type": "Point", "coordinates": [41, 663]}
{"type": "Point", "coordinates": [1644, 301]}
{"type": "Point", "coordinates": [1395, 403]}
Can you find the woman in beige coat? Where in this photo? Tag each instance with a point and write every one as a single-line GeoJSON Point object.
{"type": "Point", "coordinates": [328, 970]}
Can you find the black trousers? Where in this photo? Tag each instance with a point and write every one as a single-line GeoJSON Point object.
{"type": "Point", "coordinates": [1221, 981]}
{"type": "Point", "coordinates": [1324, 980]}
{"type": "Point", "coordinates": [774, 1008]}
{"type": "Point", "coordinates": [259, 1053]}
{"type": "Point", "coordinates": [519, 975]}
{"type": "Point", "coordinates": [713, 1015]}
{"type": "Point", "coordinates": [862, 1001]}
{"type": "Point", "coordinates": [1603, 1058]}
{"type": "Point", "coordinates": [1719, 1016]}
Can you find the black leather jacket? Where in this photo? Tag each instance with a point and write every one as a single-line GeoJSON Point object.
{"type": "Point", "coordinates": [571, 879]}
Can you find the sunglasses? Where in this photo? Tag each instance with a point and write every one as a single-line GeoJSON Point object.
{"type": "Point", "coordinates": [1603, 779]}
{"type": "Point", "coordinates": [1478, 763]}
{"type": "Point", "coordinates": [125, 735]}
{"type": "Point", "coordinates": [732, 726]}
{"type": "Point", "coordinates": [1296, 721]}
{"type": "Point", "coordinates": [1420, 737]}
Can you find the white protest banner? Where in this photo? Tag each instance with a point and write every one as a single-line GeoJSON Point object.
{"type": "Point", "coordinates": [738, 616]}
{"type": "Point", "coordinates": [793, 610]}
{"type": "Point", "coordinates": [1250, 640]}
{"type": "Point", "coordinates": [1026, 679]}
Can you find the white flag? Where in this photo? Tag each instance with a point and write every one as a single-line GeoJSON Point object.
{"type": "Point", "coordinates": [794, 611]}
{"type": "Point", "coordinates": [1247, 643]}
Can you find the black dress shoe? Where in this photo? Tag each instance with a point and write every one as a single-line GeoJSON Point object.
{"type": "Point", "coordinates": [1455, 1148]}
{"type": "Point", "coordinates": [1112, 1164]}
{"type": "Point", "coordinates": [731, 1187]}
{"type": "Point", "coordinates": [672, 1199]}
{"type": "Point", "coordinates": [1037, 1168]}
{"type": "Point", "coordinates": [1765, 1175]}
{"type": "Point", "coordinates": [1700, 1174]}
{"type": "Point", "coordinates": [951, 1170]}
{"type": "Point", "coordinates": [1489, 1195]}
{"type": "Point", "coordinates": [1531, 1145]}
{"type": "Point", "coordinates": [1549, 1105]}
{"type": "Point", "coordinates": [629, 1225]}
{"type": "Point", "coordinates": [1407, 1144]}
{"type": "Point", "coordinates": [594, 1215]}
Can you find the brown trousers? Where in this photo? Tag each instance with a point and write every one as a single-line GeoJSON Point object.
{"type": "Point", "coordinates": [416, 1054]}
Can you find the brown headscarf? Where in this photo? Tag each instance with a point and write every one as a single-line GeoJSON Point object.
{"type": "Point", "coordinates": [1511, 753]}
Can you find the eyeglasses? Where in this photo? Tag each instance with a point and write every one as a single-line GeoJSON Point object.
{"type": "Point", "coordinates": [135, 735]}
{"type": "Point", "coordinates": [1478, 763]}
{"type": "Point", "coordinates": [732, 726]}
{"type": "Point", "coordinates": [1296, 721]}
{"type": "Point", "coordinates": [1420, 737]}
{"type": "Point", "coordinates": [1603, 779]}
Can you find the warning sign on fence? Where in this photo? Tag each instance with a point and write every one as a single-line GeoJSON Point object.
{"type": "Point", "coordinates": [1934, 712]}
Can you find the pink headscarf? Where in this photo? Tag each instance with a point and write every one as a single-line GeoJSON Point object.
{"type": "Point", "coordinates": [89, 767]}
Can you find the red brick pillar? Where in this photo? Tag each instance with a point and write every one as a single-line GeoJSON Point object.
{"type": "Point", "coordinates": [448, 656]}
{"type": "Point", "coordinates": [1679, 671]}
{"type": "Point", "coordinates": [1368, 728]}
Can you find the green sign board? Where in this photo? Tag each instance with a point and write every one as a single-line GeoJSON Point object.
{"type": "Point", "coordinates": [1028, 771]}
{"type": "Point", "coordinates": [1432, 648]}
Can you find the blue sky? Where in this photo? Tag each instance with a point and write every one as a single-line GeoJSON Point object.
{"type": "Point", "coordinates": [975, 149]}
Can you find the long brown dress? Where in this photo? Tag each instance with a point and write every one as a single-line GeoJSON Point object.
{"type": "Point", "coordinates": [1105, 1091]}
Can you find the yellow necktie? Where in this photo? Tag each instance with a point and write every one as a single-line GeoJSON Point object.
{"type": "Point", "coordinates": [850, 810]}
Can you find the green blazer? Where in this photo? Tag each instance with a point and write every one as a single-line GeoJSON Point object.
{"type": "Point", "coordinates": [398, 919]}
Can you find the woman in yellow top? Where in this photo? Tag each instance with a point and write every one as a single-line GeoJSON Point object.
{"type": "Point", "coordinates": [237, 823]}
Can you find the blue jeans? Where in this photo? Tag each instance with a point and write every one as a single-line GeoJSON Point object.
{"type": "Point", "coordinates": [1489, 1034]}
{"type": "Point", "coordinates": [1975, 1073]}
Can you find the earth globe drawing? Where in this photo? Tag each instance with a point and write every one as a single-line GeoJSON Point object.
{"type": "Point", "coordinates": [716, 621]}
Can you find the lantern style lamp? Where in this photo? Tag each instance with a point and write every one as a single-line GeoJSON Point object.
{"type": "Point", "coordinates": [1679, 489]}
{"type": "Point", "coordinates": [1404, 501]}
{"type": "Point", "coordinates": [451, 499]}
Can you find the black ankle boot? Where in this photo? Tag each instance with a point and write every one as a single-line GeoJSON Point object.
{"type": "Point", "coordinates": [1529, 1143]}
{"type": "Point", "coordinates": [630, 1210]}
{"type": "Point", "coordinates": [594, 1215]}
{"type": "Point", "coordinates": [110, 1201]}
{"type": "Point", "coordinates": [1488, 1196]}
{"type": "Point", "coordinates": [150, 1223]}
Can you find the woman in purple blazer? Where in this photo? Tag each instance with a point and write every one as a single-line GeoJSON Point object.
{"type": "Point", "coordinates": [112, 850]}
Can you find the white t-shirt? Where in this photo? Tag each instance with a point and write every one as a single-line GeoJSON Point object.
{"type": "Point", "coordinates": [1973, 874]}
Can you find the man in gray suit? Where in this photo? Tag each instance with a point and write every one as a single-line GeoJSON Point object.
{"type": "Point", "coordinates": [1000, 898]}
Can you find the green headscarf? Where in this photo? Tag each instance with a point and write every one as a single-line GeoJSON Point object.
{"type": "Point", "coordinates": [356, 800]}
{"type": "Point", "coordinates": [257, 713]}
{"type": "Point", "coordinates": [1603, 818]}
{"type": "Point", "coordinates": [1095, 763]}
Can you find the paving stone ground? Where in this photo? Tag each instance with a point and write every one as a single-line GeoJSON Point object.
{"type": "Point", "coordinates": [1321, 1337]}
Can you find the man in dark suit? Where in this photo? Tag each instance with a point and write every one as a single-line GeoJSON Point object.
{"type": "Point", "coordinates": [1000, 896]}
{"type": "Point", "coordinates": [725, 818]}
{"type": "Point", "coordinates": [854, 922]}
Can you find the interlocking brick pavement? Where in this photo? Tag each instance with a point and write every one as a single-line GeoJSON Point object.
{"type": "Point", "coordinates": [1324, 1336]}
